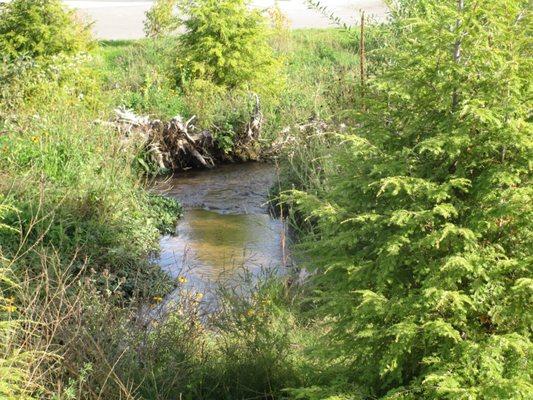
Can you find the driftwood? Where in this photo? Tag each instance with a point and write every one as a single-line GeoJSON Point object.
{"type": "Point", "coordinates": [292, 136]}
{"type": "Point", "coordinates": [178, 144]}
{"type": "Point", "coordinates": [170, 145]}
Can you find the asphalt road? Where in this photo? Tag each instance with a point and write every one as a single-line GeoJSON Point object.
{"type": "Point", "coordinates": [123, 19]}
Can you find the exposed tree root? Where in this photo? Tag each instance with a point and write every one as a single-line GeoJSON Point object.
{"type": "Point", "coordinates": [178, 144]}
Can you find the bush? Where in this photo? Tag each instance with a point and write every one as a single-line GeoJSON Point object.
{"type": "Point", "coordinates": [160, 19]}
{"type": "Point", "coordinates": [40, 28]}
{"type": "Point", "coordinates": [423, 233]}
{"type": "Point", "coordinates": [227, 43]}
{"type": "Point", "coordinates": [26, 82]}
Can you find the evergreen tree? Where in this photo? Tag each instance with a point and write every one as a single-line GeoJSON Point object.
{"type": "Point", "coordinates": [226, 43]}
{"type": "Point", "coordinates": [424, 237]}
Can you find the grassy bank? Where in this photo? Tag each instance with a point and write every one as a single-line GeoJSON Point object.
{"type": "Point", "coordinates": [319, 64]}
{"type": "Point", "coordinates": [80, 226]}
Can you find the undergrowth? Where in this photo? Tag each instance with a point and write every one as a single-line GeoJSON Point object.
{"type": "Point", "coordinates": [82, 228]}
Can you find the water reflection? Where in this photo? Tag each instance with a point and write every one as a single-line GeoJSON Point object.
{"type": "Point", "coordinates": [210, 245]}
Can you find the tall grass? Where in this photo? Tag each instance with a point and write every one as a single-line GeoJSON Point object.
{"type": "Point", "coordinates": [73, 177]}
{"type": "Point", "coordinates": [84, 229]}
{"type": "Point", "coordinates": [14, 361]}
{"type": "Point", "coordinates": [320, 64]}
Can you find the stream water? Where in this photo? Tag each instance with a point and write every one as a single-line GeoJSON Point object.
{"type": "Point", "coordinates": [226, 229]}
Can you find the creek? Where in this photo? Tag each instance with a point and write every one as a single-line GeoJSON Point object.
{"type": "Point", "coordinates": [226, 230]}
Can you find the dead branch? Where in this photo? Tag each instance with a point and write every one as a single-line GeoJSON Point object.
{"type": "Point", "coordinates": [176, 144]}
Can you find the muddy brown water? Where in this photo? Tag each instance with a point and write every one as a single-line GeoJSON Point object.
{"type": "Point", "coordinates": [226, 229]}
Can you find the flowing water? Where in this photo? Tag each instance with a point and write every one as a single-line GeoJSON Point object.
{"type": "Point", "coordinates": [226, 228]}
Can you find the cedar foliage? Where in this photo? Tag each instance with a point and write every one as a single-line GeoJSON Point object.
{"type": "Point", "coordinates": [424, 233]}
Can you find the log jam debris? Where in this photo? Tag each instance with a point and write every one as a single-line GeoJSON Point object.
{"type": "Point", "coordinates": [178, 144]}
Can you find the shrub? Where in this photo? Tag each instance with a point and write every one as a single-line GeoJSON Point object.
{"type": "Point", "coordinates": [280, 25]}
{"type": "Point", "coordinates": [40, 28]}
{"type": "Point", "coordinates": [25, 82]}
{"type": "Point", "coordinates": [227, 43]}
{"type": "Point", "coordinates": [423, 234]}
{"type": "Point", "coordinates": [160, 18]}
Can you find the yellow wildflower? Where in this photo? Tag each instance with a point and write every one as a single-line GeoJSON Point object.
{"type": "Point", "coordinates": [198, 296]}
{"type": "Point", "coordinates": [10, 308]}
{"type": "Point", "coordinates": [158, 299]}
{"type": "Point", "coordinates": [35, 139]}
{"type": "Point", "coordinates": [182, 279]}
